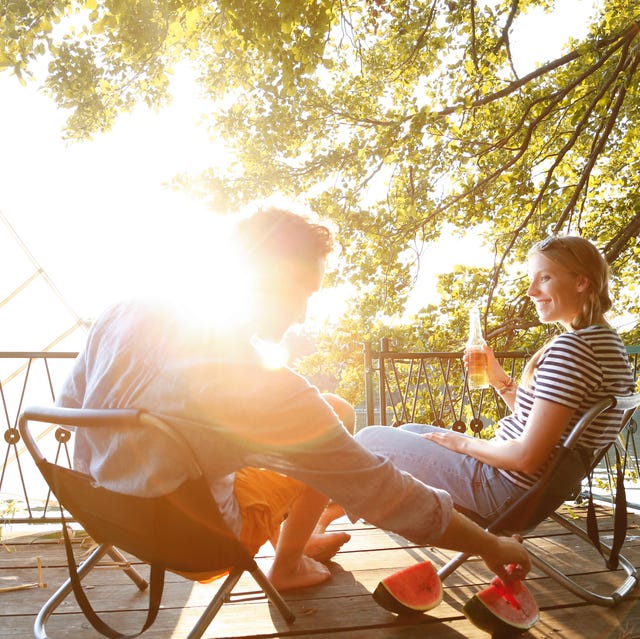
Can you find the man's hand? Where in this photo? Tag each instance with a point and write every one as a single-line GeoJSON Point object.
{"type": "Point", "coordinates": [509, 551]}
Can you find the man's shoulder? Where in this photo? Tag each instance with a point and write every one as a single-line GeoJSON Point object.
{"type": "Point", "coordinates": [132, 321]}
{"type": "Point", "coordinates": [135, 310]}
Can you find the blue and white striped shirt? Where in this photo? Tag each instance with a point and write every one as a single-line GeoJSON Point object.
{"type": "Point", "coordinates": [577, 370]}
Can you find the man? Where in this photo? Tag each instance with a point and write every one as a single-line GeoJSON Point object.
{"type": "Point", "coordinates": [271, 444]}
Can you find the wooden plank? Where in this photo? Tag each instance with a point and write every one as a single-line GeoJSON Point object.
{"type": "Point", "coordinates": [341, 608]}
{"type": "Point", "coordinates": [108, 589]}
{"type": "Point", "coordinates": [351, 616]}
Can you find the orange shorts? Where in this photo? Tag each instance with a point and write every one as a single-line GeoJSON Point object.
{"type": "Point", "coordinates": [264, 498]}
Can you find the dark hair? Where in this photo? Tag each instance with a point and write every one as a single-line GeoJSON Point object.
{"type": "Point", "coordinates": [581, 257]}
{"type": "Point", "coordinates": [274, 234]}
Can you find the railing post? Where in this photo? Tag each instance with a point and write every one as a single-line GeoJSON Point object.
{"type": "Point", "coordinates": [382, 386]}
{"type": "Point", "coordinates": [368, 384]}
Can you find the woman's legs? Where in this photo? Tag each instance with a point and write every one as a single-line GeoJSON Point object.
{"type": "Point", "coordinates": [474, 486]}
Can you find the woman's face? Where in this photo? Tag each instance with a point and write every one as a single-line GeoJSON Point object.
{"type": "Point", "coordinates": [556, 292]}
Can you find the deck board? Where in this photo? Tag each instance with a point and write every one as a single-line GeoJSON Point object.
{"type": "Point", "coordinates": [341, 608]}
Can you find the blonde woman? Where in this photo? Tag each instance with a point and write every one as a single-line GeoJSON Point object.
{"type": "Point", "coordinates": [586, 362]}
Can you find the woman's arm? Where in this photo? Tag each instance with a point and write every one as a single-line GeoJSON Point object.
{"type": "Point", "coordinates": [547, 421]}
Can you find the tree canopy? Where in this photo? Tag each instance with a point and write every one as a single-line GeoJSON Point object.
{"type": "Point", "coordinates": [399, 120]}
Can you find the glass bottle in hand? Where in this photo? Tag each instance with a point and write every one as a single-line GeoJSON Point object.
{"type": "Point", "coordinates": [477, 374]}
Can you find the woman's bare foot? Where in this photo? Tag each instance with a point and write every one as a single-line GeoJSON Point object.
{"type": "Point", "coordinates": [304, 573]}
{"type": "Point", "coordinates": [332, 512]}
{"type": "Point", "coordinates": [322, 547]}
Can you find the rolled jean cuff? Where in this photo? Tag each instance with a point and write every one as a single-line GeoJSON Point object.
{"type": "Point", "coordinates": [446, 510]}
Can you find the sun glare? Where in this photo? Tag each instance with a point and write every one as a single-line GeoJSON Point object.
{"type": "Point", "coordinates": [272, 354]}
{"type": "Point", "coordinates": [190, 260]}
{"type": "Point", "coordinates": [205, 277]}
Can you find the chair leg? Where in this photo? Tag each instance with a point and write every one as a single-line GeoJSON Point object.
{"type": "Point", "coordinates": [613, 599]}
{"type": "Point", "coordinates": [452, 565]}
{"type": "Point", "coordinates": [39, 631]}
{"type": "Point", "coordinates": [589, 595]}
{"type": "Point", "coordinates": [127, 568]}
{"type": "Point", "coordinates": [216, 603]}
{"type": "Point", "coordinates": [224, 593]}
{"type": "Point", "coordinates": [273, 595]}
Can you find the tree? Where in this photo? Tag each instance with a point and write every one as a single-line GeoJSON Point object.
{"type": "Point", "coordinates": [395, 118]}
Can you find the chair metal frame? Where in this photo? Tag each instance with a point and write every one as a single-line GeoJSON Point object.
{"type": "Point", "coordinates": [553, 489]}
{"type": "Point", "coordinates": [222, 537]}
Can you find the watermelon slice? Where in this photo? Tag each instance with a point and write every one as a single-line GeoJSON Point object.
{"type": "Point", "coordinates": [411, 590]}
{"type": "Point", "coordinates": [503, 610]}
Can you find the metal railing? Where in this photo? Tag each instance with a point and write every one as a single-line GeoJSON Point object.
{"type": "Point", "coordinates": [432, 388]}
{"type": "Point", "coordinates": [428, 387]}
{"type": "Point", "coordinates": [26, 378]}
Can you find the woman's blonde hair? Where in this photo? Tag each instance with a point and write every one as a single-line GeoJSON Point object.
{"type": "Point", "coordinates": [581, 257]}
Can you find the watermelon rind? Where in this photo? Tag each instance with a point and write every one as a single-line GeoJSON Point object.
{"type": "Point", "coordinates": [410, 591]}
{"type": "Point", "coordinates": [479, 612]}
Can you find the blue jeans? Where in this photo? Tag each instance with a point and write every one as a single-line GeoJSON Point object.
{"type": "Point", "coordinates": [366, 485]}
{"type": "Point", "coordinates": [472, 485]}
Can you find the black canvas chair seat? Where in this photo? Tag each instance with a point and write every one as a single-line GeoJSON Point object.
{"type": "Point", "coordinates": [182, 531]}
{"type": "Point", "coordinates": [560, 482]}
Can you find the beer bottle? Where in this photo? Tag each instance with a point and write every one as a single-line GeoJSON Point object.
{"type": "Point", "coordinates": [477, 374]}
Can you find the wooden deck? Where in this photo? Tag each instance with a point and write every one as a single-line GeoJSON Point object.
{"type": "Point", "coordinates": [338, 609]}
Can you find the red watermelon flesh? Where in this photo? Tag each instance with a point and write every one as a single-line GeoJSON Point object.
{"type": "Point", "coordinates": [509, 592]}
{"type": "Point", "coordinates": [411, 590]}
{"type": "Point", "coordinates": [503, 609]}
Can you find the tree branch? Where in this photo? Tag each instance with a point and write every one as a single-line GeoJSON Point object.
{"type": "Point", "coordinates": [600, 144]}
{"type": "Point", "coordinates": [619, 243]}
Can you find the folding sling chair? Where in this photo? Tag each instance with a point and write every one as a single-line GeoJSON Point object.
{"type": "Point", "coordinates": [182, 531]}
{"type": "Point", "coordinates": [560, 482]}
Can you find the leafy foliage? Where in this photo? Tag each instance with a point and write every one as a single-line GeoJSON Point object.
{"type": "Point", "coordinates": [397, 119]}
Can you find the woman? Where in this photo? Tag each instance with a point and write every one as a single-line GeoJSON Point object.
{"type": "Point", "coordinates": [588, 361]}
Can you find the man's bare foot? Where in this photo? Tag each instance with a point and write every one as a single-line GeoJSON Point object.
{"type": "Point", "coordinates": [322, 547]}
{"type": "Point", "coordinates": [305, 573]}
{"type": "Point", "coordinates": [332, 512]}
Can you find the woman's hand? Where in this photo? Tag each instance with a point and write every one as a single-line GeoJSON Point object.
{"type": "Point", "coordinates": [449, 439]}
{"type": "Point", "coordinates": [497, 375]}
{"type": "Point", "coordinates": [525, 454]}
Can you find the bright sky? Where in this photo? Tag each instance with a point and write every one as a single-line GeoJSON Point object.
{"type": "Point", "coordinates": [95, 215]}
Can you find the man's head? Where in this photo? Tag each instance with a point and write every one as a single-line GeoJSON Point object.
{"type": "Point", "coordinates": [286, 256]}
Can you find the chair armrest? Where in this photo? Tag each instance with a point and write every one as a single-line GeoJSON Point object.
{"type": "Point", "coordinates": [625, 402]}
{"type": "Point", "coordinates": [114, 418]}
{"type": "Point", "coordinates": [84, 417]}
{"type": "Point", "coordinates": [583, 423]}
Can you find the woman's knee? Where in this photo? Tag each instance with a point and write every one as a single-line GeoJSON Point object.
{"type": "Point", "coordinates": [418, 428]}
{"type": "Point", "coordinates": [376, 437]}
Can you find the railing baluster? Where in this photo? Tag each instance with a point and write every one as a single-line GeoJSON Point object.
{"type": "Point", "coordinates": [442, 390]}
{"type": "Point", "coordinates": [27, 383]}
{"type": "Point", "coordinates": [435, 386]}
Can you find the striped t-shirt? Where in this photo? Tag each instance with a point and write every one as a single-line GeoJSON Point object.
{"type": "Point", "coordinates": [576, 370]}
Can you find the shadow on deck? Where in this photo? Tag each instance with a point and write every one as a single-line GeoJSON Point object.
{"type": "Point", "coordinates": [341, 608]}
